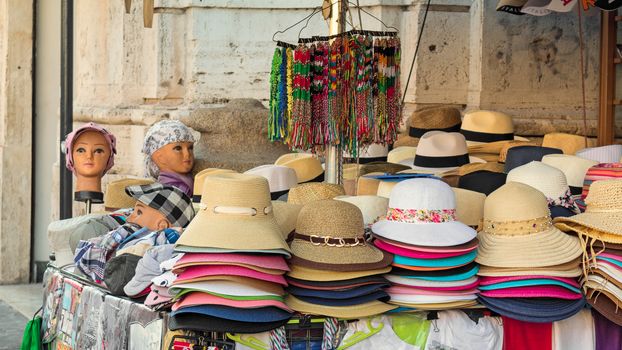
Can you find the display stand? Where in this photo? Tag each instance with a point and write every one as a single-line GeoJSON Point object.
{"type": "Point", "coordinates": [89, 198]}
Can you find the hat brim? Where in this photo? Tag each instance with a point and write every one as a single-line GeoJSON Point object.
{"type": "Point", "coordinates": [437, 263]}
{"type": "Point", "coordinates": [429, 299]}
{"type": "Point", "coordinates": [346, 312]}
{"type": "Point", "coordinates": [459, 248]}
{"type": "Point", "coordinates": [548, 291]}
{"type": "Point", "coordinates": [412, 253]}
{"type": "Point", "coordinates": [603, 303]}
{"type": "Point", "coordinates": [406, 140]}
{"type": "Point", "coordinates": [268, 263]}
{"type": "Point", "coordinates": [606, 227]}
{"type": "Point", "coordinates": [569, 269]}
{"type": "Point", "coordinates": [453, 291]}
{"type": "Point", "coordinates": [203, 323]}
{"type": "Point", "coordinates": [333, 294]}
{"type": "Point", "coordinates": [457, 274]}
{"type": "Point", "coordinates": [547, 248]}
{"type": "Point", "coordinates": [225, 287]}
{"type": "Point", "coordinates": [491, 147]}
{"type": "Point", "coordinates": [365, 257]}
{"type": "Point", "coordinates": [196, 272]}
{"type": "Point", "coordinates": [378, 295]}
{"type": "Point", "coordinates": [539, 310]}
{"type": "Point", "coordinates": [418, 169]}
{"type": "Point", "coordinates": [415, 282]}
{"type": "Point", "coordinates": [190, 249]}
{"type": "Point", "coordinates": [432, 235]}
{"type": "Point", "coordinates": [198, 298]}
{"type": "Point", "coordinates": [309, 274]}
{"type": "Point", "coordinates": [180, 268]}
{"type": "Point", "coordinates": [438, 306]}
{"type": "Point", "coordinates": [261, 314]}
{"type": "Point", "coordinates": [339, 285]}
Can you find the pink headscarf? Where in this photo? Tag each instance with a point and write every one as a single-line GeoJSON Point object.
{"type": "Point", "coordinates": [110, 139]}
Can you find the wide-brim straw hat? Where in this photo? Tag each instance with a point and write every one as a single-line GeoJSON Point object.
{"type": "Point", "coordinates": [569, 269]}
{"type": "Point", "coordinates": [199, 180]}
{"type": "Point", "coordinates": [602, 219]}
{"type": "Point", "coordinates": [422, 212]}
{"type": "Point", "coordinates": [488, 130]}
{"type": "Point", "coordinates": [518, 231]}
{"type": "Point", "coordinates": [573, 167]}
{"type": "Point", "coordinates": [192, 249]}
{"type": "Point", "coordinates": [568, 143]}
{"type": "Point", "coordinates": [443, 118]}
{"type": "Point", "coordinates": [304, 194]}
{"type": "Point", "coordinates": [398, 154]}
{"type": "Point", "coordinates": [115, 196]}
{"type": "Point", "coordinates": [307, 166]}
{"type": "Point", "coordinates": [330, 235]}
{"type": "Point", "coordinates": [286, 215]}
{"type": "Point", "coordinates": [372, 207]}
{"type": "Point", "coordinates": [469, 206]}
{"type": "Point", "coordinates": [367, 185]}
{"type": "Point", "coordinates": [503, 154]}
{"type": "Point", "coordinates": [544, 178]}
{"type": "Point", "coordinates": [310, 274]}
{"type": "Point", "coordinates": [236, 213]}
{"type": "Point", "coordinates": [345, 312]}
{"type": "Point", "coordinates": [377, 280]}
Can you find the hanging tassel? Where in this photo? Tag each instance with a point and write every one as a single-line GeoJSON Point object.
{"type": "Point", "coordinates": [319, 96]}
{"type": "Point", "coordinates": [334, 92]}
{"type": "Point", "coordinates": [275, 80]}
{"type": "Point", "coordinates": [283, 96]}
{"type": "Point", "coordinates": [290, 91]}
{"type": "Point", "coordinates": [301, 109]}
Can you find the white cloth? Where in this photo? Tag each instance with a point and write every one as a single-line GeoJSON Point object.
{"type": "Point", "coordinates": [575, 333]}
{"type": "Point", "coordinates": [454, 330]}
{"type": "Point", "coordinates": [168, 265]}
{"type": "Point", "coordinates": [385, 339]}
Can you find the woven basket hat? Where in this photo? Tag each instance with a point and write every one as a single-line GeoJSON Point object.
{"type": "Point", "coordinates": [602, 219]}
{"type": "Point", "coordinates": [307, 166]}
{"type": "Point", "coordinates": [568, 143]}
{"type": "Point", "coordinates": [115, 196]}
{"type": "Point", "coordinates": [314, 191]}
{"type": "Point", "coordinates": [488, 131]}
{"type": "Point", "coordinates": [442, 118]}
{"type": "Point", "coordinates": [422, 211]}
{"type": "Point", "coordinates": [329, 235]}
{"type": "Point", "coordinates": [573, 167]}
{"type": "Point", "coordinates": [518, 231]}
{"type": "Point", "coordinates": [236, 213]}
{"type": "Point", "coordinates": [398, 154]}
{"type": "Point", "coordinates": [199, 179]}
{"type": "Point", "coordinates": [544, 178]}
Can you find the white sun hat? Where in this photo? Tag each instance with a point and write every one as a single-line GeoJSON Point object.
{"type": "Point", "coordinates": [573, 167]}
{"type": "Point", "coordinates": [280, 178]}
{"type": "Point", "coordinates": [544, 178]}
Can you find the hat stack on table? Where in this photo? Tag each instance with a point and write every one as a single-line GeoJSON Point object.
{"type": "Point", "coordinates": [334, 271]}
{"type": "Point", "coordinates": [600, 228]}
{"type": "Point", "coordinates": [230, 278]}
{"type": "Point", "coordinates": [599, 172]}
{"type": "Point", "coordinates": [433, 252]}
{"type": "Point", "coordinates": [528, 266]}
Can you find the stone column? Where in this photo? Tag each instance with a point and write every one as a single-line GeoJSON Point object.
{"type": "Point", "coordinates": [16, 48]}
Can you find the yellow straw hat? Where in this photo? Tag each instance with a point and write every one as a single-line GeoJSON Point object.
{"type": "Point", "coordinates": [115, 196]}
{"type": "Point", "coordinates": [286, 215]}
{"type": "Point", "coordinates": [314, 191]}
{"type": "Point", "coordinates": [199, 179]}
{"type": "Point", "coordinates": [367, 185]}
{"type": "Point", "coordinates": [511, 144]}
{"type": "Point", "coordinates": [488, 131]}
{"type": "Point", "coordinates": [469, 206]}
{"type": "Point", "coordinates": [399, 154]}
{"type": "Point", "coordinates": [236, 213]}
{"type": "Point", "coordinates": [345, 312]}
{"type": "Point", "coordinates": [568, 143]}
{"type": "Point", "coordinates": [443, 118]}
{"type": "Point", "coordinates": [309, 274]}
{"type": "Point", "coordinates": [307, 166]}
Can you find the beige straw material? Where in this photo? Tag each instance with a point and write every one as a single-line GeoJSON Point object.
{"type": "Point", "coordinates": [199, 178]}
{"type": "Point", "coordinates": [405, 140]}
{"type": "Point", "coordinates": [351, 171]}
{"type": "Point", "coordinates": [491, 157]}
{"type": "Point", "coordinates": [367, 185]}
{"type": "Point", "coordinates": [438, 306]}
{"type": "Point", "coordinates": [569, 269]}
{"type": "Point", "coordinates": [490, 122]}
{"type": "Point", "coordinates": [309, 274]}
{"type": "Point", "coordinates": [335, 219]}
{"type": "Point", "coordinates": [518, 232]}
{"type": "Point", "coordinates": [115, 196]}
{"type": "Point", "coordinates": [473, 167]}
{"type": "Point", "coordinates": [314, 191]}
{"type": "Point", "coordinates": [385, 188]}
{"type": "Point", "coordinates": [511, 144]}
{"type": "Point", "coordinates": [602, 218]}
{"type": "Point", "coordinates": [344, 312]}
{"type": "Point", "coordinates": [215, 226]}
{"type": "Point", "coordinates": [398, 154]}
{"type": "Point", "coordinates": [382, 167]}
{"type": "Point", "coordinates": [306, 165]}
{"type": "Point", "coordinates": [286, 215]}
{"type": "Point", "coordinates": [268, 287]}
{"type": "Point", "coordinates": [469, 206]}
{"type": "Point", "coordinates": [433, 118]}
{"type": "Point", "coordinates": [568, 143]}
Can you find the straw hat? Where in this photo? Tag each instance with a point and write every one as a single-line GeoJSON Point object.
{"type": "Point", "coordinates": [329, 235]}
{"type": "Point", "coordinates": [569, 269]}
{"type": "Point", "coordinates": [115, 196]}
{"type": "Point", "coordinates": [385, 188]}
{"type": "Point", "coordinates": [473, 167]}
{"type": "Point", "coordinates": [345, 312]}
{"type": "Point", "coordinates": [521, 155]}
{"type": "Point", "coordinates": [236, 213]}
{"type": "Point", "coordinates": [488, 131]}
{"type": "Point", "coordinates": [442, 118]}
{"type": "Point", "coordinates": [573, 167]}
{"type": "Point", "coordinates": [369, 153]}
{"type": "Point", "coordinates": [372, 207]}
{"type": "Point", "coordinates": [314, 191]}
{"type": "Point", "coordinates": [440, 151]}
{"type": "Point", "coordinates": [307, 166]}
{"type": "Point", "coordinates": [599, 172]}
{"type": "Point", "coordinates": [604, 154]}
{"type": "Point", "coordinates": [568, 143]}
{"type": "Point", "coordinates": [309, 274]}
{"type": "Point", "coordinates": [422, 211]}
{"type": "Point", "coordinates": [544, 178]}
{"type": "Point", "coordinates": [518, 231]}
{"type": "Point", "coordinates": [280, 178]}
{"type": "Point", "coordinates": [199, 179]}
{"type": "Point", "coordinates": [367, 185]}
{"type": "Point", "coordinates": [382, 167]}
{"type": "Point", "coordinates": [511, 144]}
{"type": "Point", "coordinates": [286, 215]}
{"type": "Point", "coordinates": [602, 219]}
{"type": "Point", "coordinates": [398, 154]}
{"type": "Point", "coordinates": [469, 206]}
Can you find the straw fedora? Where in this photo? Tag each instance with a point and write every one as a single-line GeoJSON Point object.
{"type": "Point", "coordinates": [199, 179]}
{"type": "Point", "coordinates": [442, 118]}
{"type": "Point", "coordinates": [469, 206]}
{"type": "Point", "coordinates": [398, 154]}
{"type": "Point", "coordinates": [345, 312]}
{"type": "Point", "coordinates": [280, 178]}
{"type": "Point", "coordinates": [487, 131]}
{"type": "Point", "coordinates": [422, 211]}
{"type": "Point", "coordinates": [330, 235]}
{"type": "Point", "coordinates": [440, 151]}
{"type": "Point", "coordinates": [546, 179]}
{"type": "Point", "coordinates": [372, 207]}
{"type": "Point", "coordinates": [236, 213]}
{"type": "Point", "coordinates": [503, 154]}
{"type": "Point", "coordinates": [307, 166]}
{"type": "Point", "coordinates": [518, 231]}
{"type": "Point", "coordinates": [374, 152]}
{"type": "Point", "coordinates": [521, 155]}
{"type": "Point", "coordinates": [568, 143]}
{"type": "Point", "coordinates": [573, 167]}
{"type": "Point", "coordinates": [115, 196]}
{"type": "Point", "coordinates": [314, 191]}
{"type": "Point", "coordinates": [286, 215]}
{"type": "Point", "coordinates": [604, 154]}
{"type": "Point", "coordinates": [367, 185]}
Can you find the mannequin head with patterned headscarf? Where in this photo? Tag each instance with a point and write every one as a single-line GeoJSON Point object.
{"type": "Point", "coordinates": [168, 146]}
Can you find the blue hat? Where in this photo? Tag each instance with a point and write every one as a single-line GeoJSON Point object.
{"type": "Point", "coordinates": [456, 274]}
{"type": "Point", "coordinates": [540, 310]}
{"type": "Point", "coordinates": [443, 262]}
{"type": "Point", "coordinates": [260, 314]}
{"type": "Point", "coordinates": [522, 155]}
{"type": "Point", "coordinates": [528, 283]}
{"type": "Point", "coordinates": [558, 211]}
{"type": "Point", "coordinates": [341, 284]}
{"type": "Point", "coordinates": [334, 294]}
{"type": "Point", "coordinates": [377, 295]}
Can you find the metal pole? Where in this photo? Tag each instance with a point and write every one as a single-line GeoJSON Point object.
{"type": "Point", "coordinates": [66, 103]}
{"type": "Point", "coordinates": [334, 156]}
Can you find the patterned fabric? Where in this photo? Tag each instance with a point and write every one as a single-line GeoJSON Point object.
{"type": "Point", "coordinates": [170, 201]}
{"type": "Point", "coordinates": [425, 216]}
{"type": "Point", "coordinates": [159, 135]}
{"type": "Point", "coordinates": [72, 136]}
{"type": "Point", "coordinates": [566, 200]}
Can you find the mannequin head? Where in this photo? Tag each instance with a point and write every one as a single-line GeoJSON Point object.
{"type": "Point", "coordinates": [168, 146]}
{"type": "Point", "coordinates": [148, 217]}
{"type": "Point", "coordinates": [176, 157]}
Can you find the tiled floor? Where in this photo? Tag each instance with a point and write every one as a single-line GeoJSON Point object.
{"type": "Point", "coordinates": [18, 303]}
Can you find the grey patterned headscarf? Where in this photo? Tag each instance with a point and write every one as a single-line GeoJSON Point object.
{"type": "Point", "coordinates": [159, 135]}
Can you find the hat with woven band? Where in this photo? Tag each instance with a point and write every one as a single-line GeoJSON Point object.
{"type": "Point", "coordinates": [522, 155]}
{"type": "Point", "coordinates": [482, 181]}
{"type": "Point", "coordinates": [115, 196]}
{"type": "Point", "coordinates": [503, 154]}
{"type": "Point", "coordinates": [280, 178]}
{"type": "Point", "coordinates": [603, 154]}
{"type": "Point", "coordinates": [309, 274]}
{"type": "Point", "coordinates": [573, 167]}
{"type": "Point", "coordinates": [442, 118]}
{"type": "Point", "coordinates": [398, 154]}
{"type": "Point", "coordinates": [199, 179]}
{"type": "Point", "coordinates": [346, 312]}
{"type": "Point", "coordinates": [602, 219]}
{"type": "Point", "coordinates": [422, 211]}
{"type": "Point", "coordinates": [236, 213]}
{"type": "Point", "coordinates": [518, 231]}
{"type": "Point", "coordinates": [488, 131]}
{"type": "Point", "coordinates": [329, 235]}
{"type": "Point", "coordinates": [307, 166]}
{"type": "Point", "coordinates": [372, 207]}
{"type": "Point", "coordinates": [548, 180]}
{"type": "Point", "coordinates": [568, 143]}
{"type": "Point", "coordinates": [569, 269]}
{"type": "Point", "coordinates": [174, 204]}
{"type": "Point", "coordinates": [440, 151]}
{"type": "Point", "coordinates": [304, 194]}
{"type": "Point", "coordinates": [369, 153]}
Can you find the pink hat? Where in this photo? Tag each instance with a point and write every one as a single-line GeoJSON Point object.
{"type": "Point", "coordinates": [112, 143]}
{"type": "Point", "coordinates": [157, 296]}
{"type": "Point", "coordinates": [198, 298]}
{"type": "Point", "coordinates": [274, 262]}
{"type": "Point", "coordinates": [417, 254]}
{"type": "Point", "coordinates": [484, 281]}
{"type": "Point", "coordinates": [533, 292]}
{"type": "Point", "coordinates": [443, 289]}
{"type": "Point", "coordinates": [610, 256]}
{"type": "Point", "coordinates": [417, 291]}
{"type": "Point", "coordinates": [463, 248]}
{"type": "Point", "coordinates": [196, 272]}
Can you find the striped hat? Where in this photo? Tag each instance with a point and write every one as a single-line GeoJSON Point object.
{"type": "Point", "coordinates": [603, 171]}
{"type": "Point", "coordinates": [604, 154]}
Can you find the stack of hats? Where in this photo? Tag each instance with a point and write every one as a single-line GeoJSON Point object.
{"type": "Point", "coordinates": [443, 118]}
{"type": "Point", "coordinates": [528, 266]}
{"type": "Point", "coordinates": [334, 271]}
{"type": "Point", "coordinates": [599, 172]}
{"type": "Point", "coordinates": [230, 278]}
{"type": "Point", "coordinates": [600, 228]}
{"type": "Point", "coordinates": [433, 252]}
